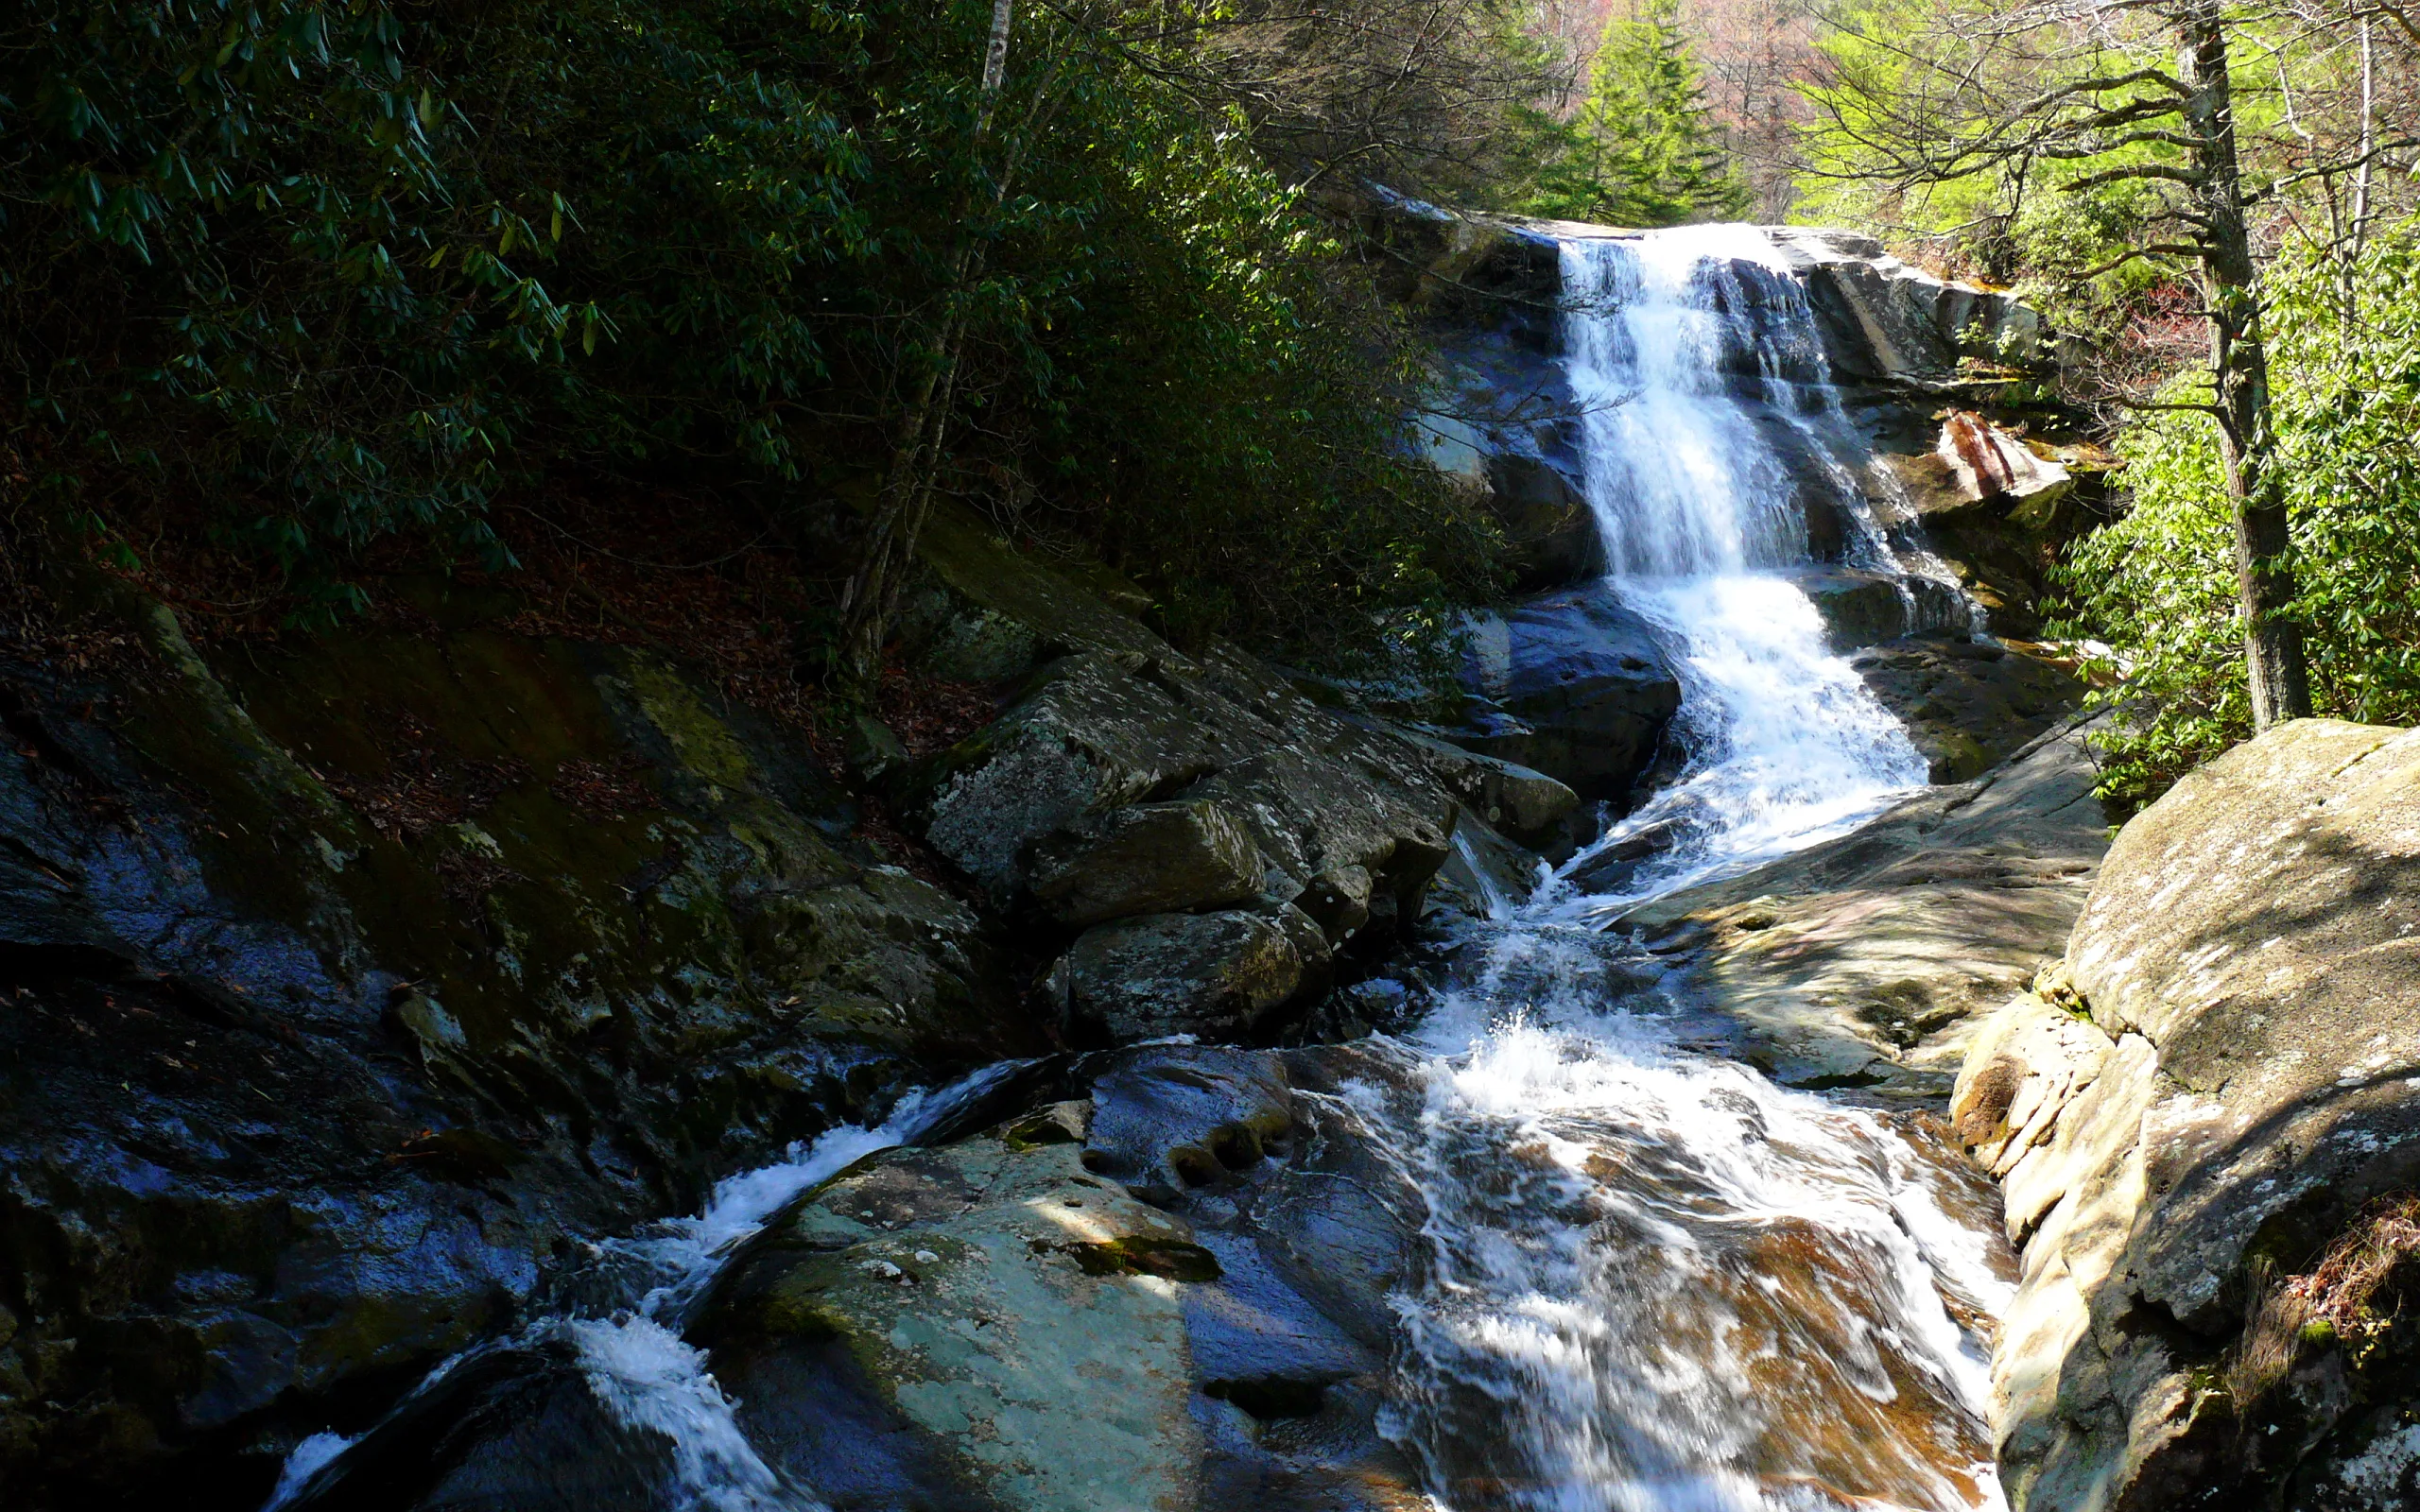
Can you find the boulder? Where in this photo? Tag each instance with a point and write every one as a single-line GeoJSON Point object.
{"type": "Point", "coordinates": [1013, 1325]}
{"type": "Point", "coordinates": [1172, 1293]}
{"type": "Point", "coordinates": [1861, 606]}
{"type": "Point", "coordinates": [1547, 521]}
{"type": "Point", "coordinates": [1969, 704]}
{"type": "Point", "coordinates": [1150, 858]}
{"type": "Point", "coordinates": [1116, 717]}
{"type": "Point", "coordinates": [1573, 685]}
{"type": "Point", "coordinates": [1867, 961]}
{"type": "Point", "coordinates": [1214, 976]}
{"type": "Point", "coordinates": [2196, 1132]}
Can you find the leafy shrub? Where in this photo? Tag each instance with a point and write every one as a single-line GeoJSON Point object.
{"type": "Point", "coordinates": [331, 275]}
{"type": "Point", "coordinates": [2158, 584]}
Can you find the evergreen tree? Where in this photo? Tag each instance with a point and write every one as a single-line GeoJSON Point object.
{"type": "Point", "coordinates": [1644, 149]}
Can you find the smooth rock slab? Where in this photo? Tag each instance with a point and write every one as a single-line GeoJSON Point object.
{"type": "Point", "coordinates": [2249, 962]}
{"type": "Point", "coordinates": [1866, 960]}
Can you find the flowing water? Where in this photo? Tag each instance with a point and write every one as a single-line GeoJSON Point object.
{"type": "Point", "coordinates": [1655, 1282]}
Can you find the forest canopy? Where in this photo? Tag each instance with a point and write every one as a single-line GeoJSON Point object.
{"type": "Point", "coordinates": [331, 277]}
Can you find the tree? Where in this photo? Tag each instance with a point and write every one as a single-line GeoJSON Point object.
{"type": "Point", "coordinates": [2088, 96]}
{"type": "Point", "coordinates": [1644, 148]}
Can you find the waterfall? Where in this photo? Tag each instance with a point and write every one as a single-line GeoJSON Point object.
{"type": "Point", "coordinates": [1657, 1281]}
{"type": "Point", "coordinates": [1693, 355]}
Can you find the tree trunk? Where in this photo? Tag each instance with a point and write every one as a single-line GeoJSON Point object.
{"type": "Point", "coordinates": [872, 598]}
{"type": "Point", "coordinates": [2272, 639]}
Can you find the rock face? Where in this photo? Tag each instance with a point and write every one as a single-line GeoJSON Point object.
{"type": "Point", "coordinates": [1572, 684]}
{"type": "Point", "coordinates": [1884, 320]}
{"type": "Point", "coordinates": [1968, 704]}
{"type": "Point", "coordinates": [1865, 961]}
{"type": "Point", "coordinates": [2195, 1124]}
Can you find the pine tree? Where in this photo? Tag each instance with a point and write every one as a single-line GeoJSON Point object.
{"type": "Point", "coordinates": [1644, 149]}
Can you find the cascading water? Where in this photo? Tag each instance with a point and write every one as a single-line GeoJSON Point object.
{"type": "Point", "coordinates": [1654, 1280]}
{"type": "Point", "coordinates": [1658, 1282]}
{"type": "Point", "coordinates": [1687, 347]}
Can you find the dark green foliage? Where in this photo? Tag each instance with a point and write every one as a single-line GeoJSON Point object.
{"type": "Point", "coordinates": [1644, 149]}
{"type": "Point", "coordinates": [2159, 583]}
{"type": "Point", "coordinates": [331, 275]}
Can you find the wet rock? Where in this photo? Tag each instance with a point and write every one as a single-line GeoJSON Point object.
{"type": "Point", "coordinates": [1862, 608]}
{"type": "Point", "coordinates": [523, 1424]}
{"type": "Point", "coordinates": [1524, 805]}
{"type": "Point", "coordinates": [1547, 521]}
{"type": "Point", "coordinates": [1866, 961]}
{"type": "Point", "coordinates": [1023, 1319]}
{"type": "Point", "coordinates": [1186, 1309]}
{"type": "Point", "coordinates": [1488, 873]}
{"type": "Point", "coordinates": [1572, 685]}
{"type": "Point", "coordinates": [1216, 976]}
{"type": "Point", "coordinates": [2238, 1096]}
{"type": "Point", "coordinates": [1884, 320]}
{"type": "Point", "coordinates": [1969, 704]}
{"type": "Point", "coordinates": [1147, 859]}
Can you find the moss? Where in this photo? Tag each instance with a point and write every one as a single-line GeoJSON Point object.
{"type": "Point", "coordinates": [1147, 1255]}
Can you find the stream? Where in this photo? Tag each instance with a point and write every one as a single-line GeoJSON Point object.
{"type": "Point", "coordinates": [1654, 1280]}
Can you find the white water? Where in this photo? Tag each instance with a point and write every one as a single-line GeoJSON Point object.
{"type": "Point", "coordinates": [637, 1364]}
{"type": "Point", "coordinates": [1659, 1282]}
{"type": "Point", "coordinates": [1686, 346]}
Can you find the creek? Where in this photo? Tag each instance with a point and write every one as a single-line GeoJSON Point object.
{"type": "Point", "coordinates": [1652, 1279]}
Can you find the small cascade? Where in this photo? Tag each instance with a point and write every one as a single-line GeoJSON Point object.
{"type": "Point", "coordinates": [1659, 1282]}
{"type": "Point", "coordinates": [622, 1331]}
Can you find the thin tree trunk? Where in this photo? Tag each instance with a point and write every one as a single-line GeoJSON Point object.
{"type": "Point", "coordinates": [872, 598]}
{"type": "Point", "coordinates": [2263, 549]}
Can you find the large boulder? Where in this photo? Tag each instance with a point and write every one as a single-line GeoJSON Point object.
{"type": "Point", "coordinates": [2203, 1125]}
{"type": "Point", "coordinates": [1572, 684]}
{"type": "Point", "coordinates": [1867, 961]}
{"type": "Point", "coordinates": [1172, 1293]}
